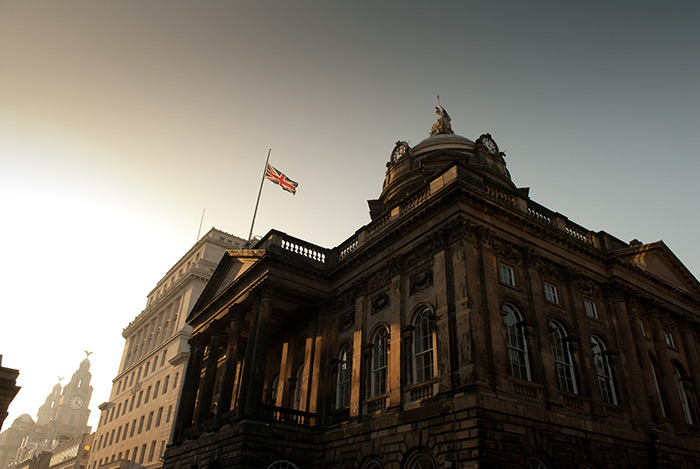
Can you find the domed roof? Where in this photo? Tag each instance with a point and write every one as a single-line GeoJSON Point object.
{"type": "Point", "coordinates": [442, 142]}
{"type": "Point", "coordinates": [409, 168]}
{"type": "Point", "coordinates": [24, 418]}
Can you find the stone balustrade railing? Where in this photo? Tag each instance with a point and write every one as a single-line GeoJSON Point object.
{"type": "Point", "coordinates": [517, 200]}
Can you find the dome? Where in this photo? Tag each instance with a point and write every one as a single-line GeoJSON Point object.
{"type": "Point", "coordinates": [409, 168]}
{"type": "Point", "coordinates": [442, 142]}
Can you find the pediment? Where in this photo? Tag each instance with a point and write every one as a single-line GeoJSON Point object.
{"type": "Point", "coordinates": [658, 260]}
{"type": "Point", "coordinates": [232, 265]}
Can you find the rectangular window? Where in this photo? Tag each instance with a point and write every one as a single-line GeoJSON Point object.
{"type": "Point", "coordinates": [119, 433]}
{"type": "Point", "coordinates": [148, 394]}
{"type": "Point", "coordinates": [131, 380]}
{"type": "Point", "coordinates": [133, 427]}
{"type": "Point", "coordinates": [126, 455]}
{"type": "Point", "coordinates": [99, 444]}
{"type": "Point", "coordinates": [170, 410]}
{"type": "Point", "coordinates": [111, 414]}
{"type": "Point", "coordinates": [152, 451]}
{"type": "Point", "coordinates": [669, 339]}
{"type": "Point", "coordinates": [126, 402]}
{"type": "Point", "coordinates": [111, 438]}
{"type": "Point", "coordinates": [162, 448]}
{"type": "Point", "coordinates": [143, 454]}
{"type": "Point", "coordinates": [165, 384]}
{"type": "Point", "coordinates": [119, 409]}
{"type": "Point", "coordinates": [141, 424]}
{"type": "Point", "coordinates": [138, 402]}
{"type": "Point", "coordinates": [145, 371]}
{"type": "Point", "coordinates": [119, 387]}
{"type": "Point", "coordinates": [177, 375]}
{"type": "Point", "coordinates": [155, 389]}
{"type": "Point", "coordinates": [162, 359]}
{"type": "Point", "coordinates": [507, 275]}
{"type": "Point", "coordinates": [159, 416]}
{"type": "Point", "coordinates": [150, 420]}
{"type": "Point", "coordinates": [591, 311]}
{"type": "Point", "coordinates": [126, 429]}
{"type": "Point", "coordinates": [550, 293]}
{"type": "Point", "coordinates": [155, 362]}
{"type": "Point", "coordinates": [136, 449]}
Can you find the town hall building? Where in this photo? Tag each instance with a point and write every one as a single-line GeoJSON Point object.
{"type": "Point", "coordinates": [465, 326]}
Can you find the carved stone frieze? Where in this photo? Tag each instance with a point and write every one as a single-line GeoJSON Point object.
{"type": "Point", "coordinates": [482, 235]}
{"type": "Point", "coordinates": [505, 250]}
{"type": "Point", "coordinates": [421, 281]}
{"type": "Point", "coordinates": [379, 278]}
{"type": "Point", "coordinates": [419, 256]}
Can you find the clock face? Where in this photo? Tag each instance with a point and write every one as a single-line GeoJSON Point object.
{"type": "Point", "coordinates": [76, 403]}
{"type": "Point", "coordinates": [489, 144]}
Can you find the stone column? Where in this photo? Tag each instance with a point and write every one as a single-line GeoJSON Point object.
{"type": "Point", "coordinates": [667, 380]}
{"type": "Point", "coordinates": [234, 337]}
{"type": "Point", "coordinates": [206, 393]}
{"type": "Point", "coordinates": [653, 398]}
{"type": "Point", "coordinates": [190, 386]}
{"type": "Point", "coordinates": [691, 354]}
{"type": "Point", "coordinates": [631, 360]}
{"type": "Point", "coordinates": [256, 352]}
{"type": "Point", "coordinates": [407, 339]}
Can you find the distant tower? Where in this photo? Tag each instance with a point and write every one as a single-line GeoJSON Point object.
{"type": "Point", "coordinates": [71, 412]}
{"type": "Point", "coordinates": [47, 412]}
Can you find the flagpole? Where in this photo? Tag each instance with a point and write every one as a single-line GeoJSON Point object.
{"type": "Point", "coordinates": [250, 235]}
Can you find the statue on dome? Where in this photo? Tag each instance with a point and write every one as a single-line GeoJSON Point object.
{"type": "Point", "coordinates": [442, 125]}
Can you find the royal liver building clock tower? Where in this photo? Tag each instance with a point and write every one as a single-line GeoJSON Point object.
{"type": "Point", "coordinates": [72, 411]}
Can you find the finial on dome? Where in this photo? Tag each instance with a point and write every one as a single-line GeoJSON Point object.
{"type": "Point", "coordinates": [443, 124]}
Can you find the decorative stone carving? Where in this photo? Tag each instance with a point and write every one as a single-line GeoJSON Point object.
{"type": "Point", "coordinates": [506, 250]}
{"type": "Point", "coordinates": [419, 256]}
{"type": "Point", "coordinates": [380, 302]}
{"type": "Point", "coordinates": [346, 320]}
{"type": "Point", "coordinates": [443, 124]}
{"type": "Point", "coordinates": [421, 281]}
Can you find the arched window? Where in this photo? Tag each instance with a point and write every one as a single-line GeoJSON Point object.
{"type": "Point", "coordinates": [537, 463]}
{"type": "Point", "coordinates": [380, 361]}
{"type": "Point", "coordinates": [282, 465]}
{"type": "Point", "coordinates": [677, 375]}
{"type": "Point", "coordinates": [342, 394]}
{"type": "Point", "coordinates": [421, 461]}
{"type": "Point", "coordinates": [562, 358]}
{"type": "Point", "coordinates": [423, 353]}
{"type": "Point", "coordinates": [518, 363]}
{"type": "Point", "coordinates": [274, 386]}
{"type": "Point", "coordinates": [604, 370]}
{"type": "Point", "coordinates": [656, 383]}
{"type": "Point", "coordinates": [297, 387]}
{"type": "Point", "coordinates": [372, 464]}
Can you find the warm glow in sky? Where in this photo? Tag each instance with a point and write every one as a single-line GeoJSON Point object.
{"type": "Point", "coordinates": [121, 121]}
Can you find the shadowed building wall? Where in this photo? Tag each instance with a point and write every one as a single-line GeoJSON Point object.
{"type": "Point", "coordinates": [464, 326]}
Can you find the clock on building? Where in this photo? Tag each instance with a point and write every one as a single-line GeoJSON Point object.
{"type": "Point", "coordinates": [76, 403]}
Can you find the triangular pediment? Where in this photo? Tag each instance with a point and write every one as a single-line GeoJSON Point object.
{"type": "Point", "coordinates": [658, 260]}
{"type": "Point", "coordinates": [232, 265]}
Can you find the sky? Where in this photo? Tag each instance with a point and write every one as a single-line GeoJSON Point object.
{"type": "Point", "coordinates": [121, 122]}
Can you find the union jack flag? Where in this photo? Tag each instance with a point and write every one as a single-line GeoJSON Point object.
{"type": "Point", "coordinates": [280, 179]}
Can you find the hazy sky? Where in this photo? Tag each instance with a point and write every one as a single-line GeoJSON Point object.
{"type": "Point", "coordinates": [121, 121]}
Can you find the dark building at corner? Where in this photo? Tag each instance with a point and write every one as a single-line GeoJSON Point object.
{"type": "Point", "coordinates": [465, 326]}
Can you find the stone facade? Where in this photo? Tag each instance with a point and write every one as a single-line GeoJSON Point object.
{"type": "Point", "coordinates": [135, 424]}
{"type": "Point", "coordinates": [465, 326]}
